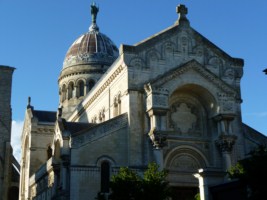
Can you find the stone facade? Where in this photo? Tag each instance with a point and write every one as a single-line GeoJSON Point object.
{"type": "Point", "coordinates": [173, 98]}
{"type": "Point", "coordinates": [9, 167]}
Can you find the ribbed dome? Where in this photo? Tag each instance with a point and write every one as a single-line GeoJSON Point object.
{"type": "Point", "coordinates": [92, 47]}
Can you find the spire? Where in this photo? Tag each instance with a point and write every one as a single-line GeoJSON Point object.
{"type": "Point", "coordinates": [182, 11]}
{"type": "Point", "coordinates": [94, 11]}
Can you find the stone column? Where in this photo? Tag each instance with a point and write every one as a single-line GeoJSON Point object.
{"type": "Point", "coordinates": [158, 154]}
{"type": "Point", "coordinates": [207, 178]}
{"type": "Point", "coordinates": [225, 143]}
{"type": "Point", "coordinates": [157, 108]}
{"type": "Point", "coordinates": [226, 139]}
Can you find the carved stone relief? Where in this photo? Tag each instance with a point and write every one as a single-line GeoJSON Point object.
{"type": "Point", "coordinates": [198, 51]}
{"type": "Point", "coordinates": [226, 102]}
{"type": "Point", "coordinates": [156, 97]}
{"type": "Point", "coordinates": [184, 163]}
{"type": "Point", "coordinates": [229, 75]}
{"type": "Point", "coordinates": [214, 65]}
{"type": "Point", "coordinates": [152, 56]}
{"type": "Point", "coordinates": [185, 118]}
{"type": "Point", "coordinates": [137, 63]}
{"type": "Point", "coordinates": [168, 47]}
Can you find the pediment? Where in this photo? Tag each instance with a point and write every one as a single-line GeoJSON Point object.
{"type": "Point", "coordinates": [176, 45]}
{"type": "Point", "coordinates": [176, 39]}
{"type": "Point", "coordinates": [194, 67]}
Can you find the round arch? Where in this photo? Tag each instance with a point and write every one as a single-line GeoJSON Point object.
{"type": "Point", "coordinates": [205, 97]}
{"type": "Point", "coordinates": [185, 158]}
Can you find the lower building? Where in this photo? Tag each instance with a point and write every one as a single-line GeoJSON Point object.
{"type": "Point", "coordinates": [9, 167]}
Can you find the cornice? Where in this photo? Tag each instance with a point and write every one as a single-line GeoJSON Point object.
{"type": "Point", "coordinates": [98, 92]}
{"type": "Point", "coordinates": [193, 65]}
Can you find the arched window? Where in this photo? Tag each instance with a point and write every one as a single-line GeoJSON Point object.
{"type": "Point", "coordinates": [105, 176]}
{"type": "Point", "coordinates": [91, 84]}
{"type": "Point", "coordinates": [117, 105]}
{"type": "Point", "coordinates": [81, 88]}
{"type": "Point", "coordinates": [64, 93]}
{"type": "Point", "coordinates": [101, 116]}
{"type": "Point", "coordinates": [94, 119]}
{"type": "Point", "coordinates": [71, 90]}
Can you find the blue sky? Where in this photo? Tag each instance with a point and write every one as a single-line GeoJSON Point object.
{"type": "Point", "coordinates": [35, 36]}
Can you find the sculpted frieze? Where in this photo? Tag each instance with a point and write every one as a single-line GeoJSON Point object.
{"type": "Point", "coordinates": [156, 97]}
{"type": "Point", "coordinates": [137, 62]}
{"type": "Point", "coordinates": [227, 102]}
{"type": "Point", "coordinates": [168, 47]}
{"type": "Point", "coordinates": [184, 163]}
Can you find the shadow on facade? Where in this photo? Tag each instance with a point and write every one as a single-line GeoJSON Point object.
{"type": "Point", "coordinates": [232, 190]}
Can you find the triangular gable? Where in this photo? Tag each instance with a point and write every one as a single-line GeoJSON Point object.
{"type": "Point", "coordinates": [199, 69]}
{"type": "Point", "coordinates": [173, 32]}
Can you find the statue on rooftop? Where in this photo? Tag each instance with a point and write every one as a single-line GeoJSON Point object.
{"type": "Point", "coordinates": [94, 11]}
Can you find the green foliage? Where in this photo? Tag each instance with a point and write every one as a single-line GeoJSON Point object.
{"type": "Point", "coordinates": [127, 184]}
{"type": "Point", "coordinates": [197, 196]}
{"type": "Point", "coordinates": [154, 184]}
{"type": "Point", "coordinates": [252, 171]}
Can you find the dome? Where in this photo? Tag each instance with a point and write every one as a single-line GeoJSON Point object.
{"type": "Point", "coordinates": [92, 48]}
{"type": "Point", "coordinates": [87, 59]}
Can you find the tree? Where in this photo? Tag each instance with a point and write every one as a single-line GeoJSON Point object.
{"type": "Point", "coordinates": [252, 172]}
{"type": "Point", "coordinates": [127, 184]}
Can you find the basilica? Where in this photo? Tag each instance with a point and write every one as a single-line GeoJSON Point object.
{"type": "Point", "coordinates": [173, 98]}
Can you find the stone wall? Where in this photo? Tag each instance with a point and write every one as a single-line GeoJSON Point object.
{"type": "Point", "coordinates": [5, 130]}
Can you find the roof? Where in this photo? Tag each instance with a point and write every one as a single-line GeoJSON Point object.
{"type": "Point", "coordinates": [45, 116]}
{"type": "Point", "coordinates": [254, 135]}
{"type": "Point", "coordinates": [75, 127]}
{"type": "Point", "coordinates": [92, 48]}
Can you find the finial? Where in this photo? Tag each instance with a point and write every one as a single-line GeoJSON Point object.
{"type": "Point", "coordinates": [29, 103]}
{"type": "Point", "coordinates": [94, 11]}
{"type": "Point", "coordinates": [182, 11]}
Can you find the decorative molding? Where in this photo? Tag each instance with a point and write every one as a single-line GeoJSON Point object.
{"type": "Point", "coordinates": [157, 138]}
{"type": "Point", "coordinates": [99, 131]}
{"type": "Point", "coordinates": [226, 142]}
{"type": "Point", "coordinates": [184, 162]}
{"type": "Point", "coordinates": [183, 118]}
{"type": "Point", "coordinates": [193, 65]}
{"type": "Point", "coordinates": [99, 91]}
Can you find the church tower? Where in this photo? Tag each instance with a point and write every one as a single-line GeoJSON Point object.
{"type": "Point", "coordinates": [86, 61]}
{"type": "Point", "coordinates": [5, 130]}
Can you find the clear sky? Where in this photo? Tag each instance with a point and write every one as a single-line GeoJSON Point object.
{"type": "Point", "coordinates": [35, 36]}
